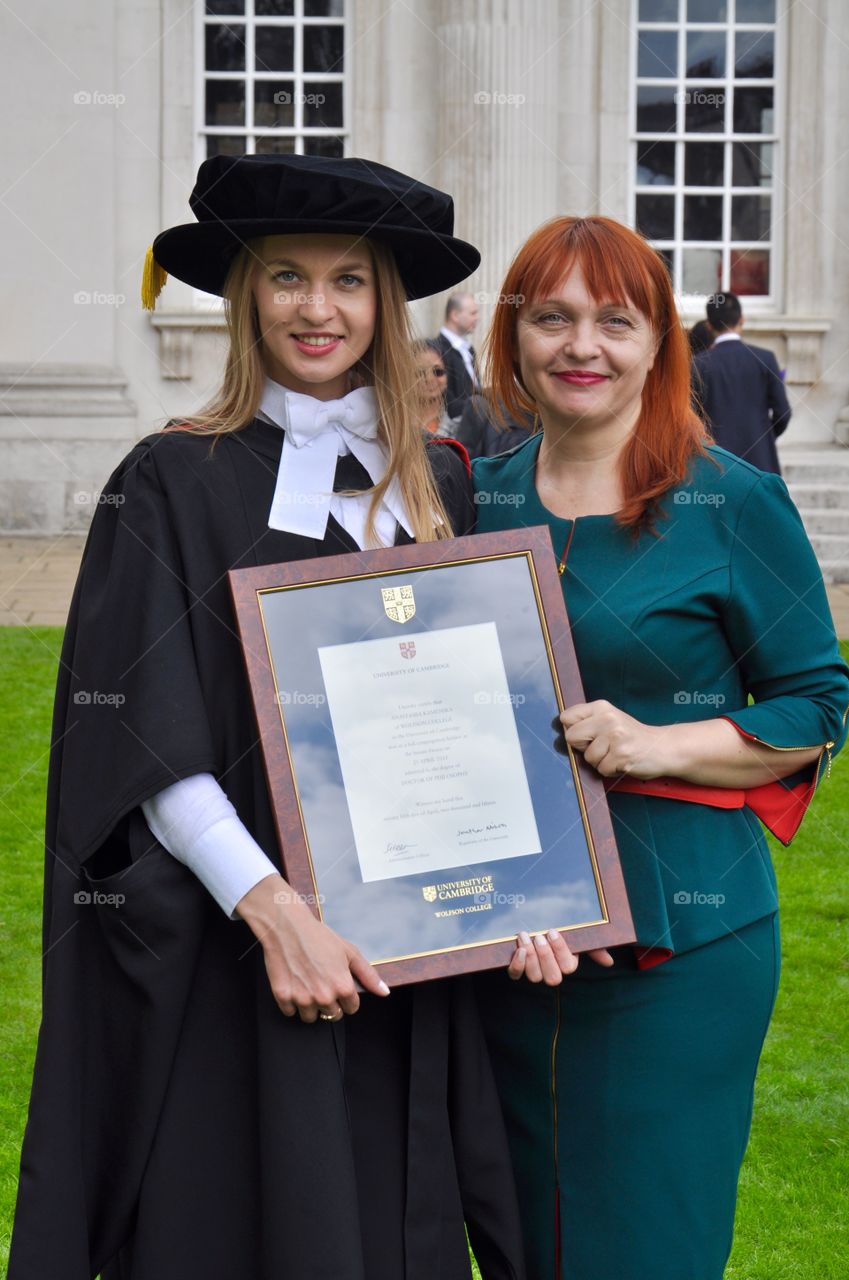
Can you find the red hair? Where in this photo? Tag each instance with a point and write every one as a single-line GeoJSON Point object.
{"type": "Point", "coordinates": [619, 266]}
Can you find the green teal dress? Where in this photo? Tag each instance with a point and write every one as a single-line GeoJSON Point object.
{"type": "Point", "coordinates": [628, 1091]}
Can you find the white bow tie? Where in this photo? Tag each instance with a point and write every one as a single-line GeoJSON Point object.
{"type": "Point", "coordinates": [317, 432]}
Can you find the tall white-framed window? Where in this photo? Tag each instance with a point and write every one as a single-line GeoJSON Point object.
{"type": "Point", "coordinates": [705, 144]}
{"type": "Point", "coordinates": [272, 77]}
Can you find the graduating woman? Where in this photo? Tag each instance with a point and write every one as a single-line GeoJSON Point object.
{"type": "Point", "coordinates": [691, 588]}
{"type": "Point", "coordinates": [212, 1098]}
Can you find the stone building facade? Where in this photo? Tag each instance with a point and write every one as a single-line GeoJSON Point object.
{"type": "Point", "coordinates": [717, 127]}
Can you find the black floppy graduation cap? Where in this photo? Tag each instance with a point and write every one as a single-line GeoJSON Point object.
{"type": "Point", "coordinates": [237, 198]}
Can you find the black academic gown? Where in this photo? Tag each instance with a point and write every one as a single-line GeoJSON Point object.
{"type": "Point", "coordinates": [180, 1126]}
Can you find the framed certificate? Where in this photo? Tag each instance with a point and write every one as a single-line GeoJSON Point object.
{"type": "Point", "coordinates": [405, 699]}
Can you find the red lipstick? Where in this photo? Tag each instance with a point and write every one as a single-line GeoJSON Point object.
{"type": "Point", "coordinates": [581, 377]}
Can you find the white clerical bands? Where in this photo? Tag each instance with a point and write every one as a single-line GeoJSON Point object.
{"type": "Point", "coordinates": [317, 432]}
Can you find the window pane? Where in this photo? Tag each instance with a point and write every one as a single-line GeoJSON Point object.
{"type": "Point", "coordinates": [275, 48]}
{"type": "Point", "coordinates": [323, 146]}
{"type": "Point", "coordinates": [275, 146]}
{"type": "Point", "coordinates": [656, 217]}
{"type": "Point", "coordinates": [322, 105]}
{"type": "Point", "coordinates": [753, 111]}
{"type": "Point", "coordinates": [667, 256]}
{"type": "Point", "coordinates": [706, 54]}
{"type": "Point", "coordinates": [225, 6]}
{"type": "Point", "coordinates": [704, 110]}
{"type": "Point", "coordinates": [656, 108]}
{"type": "Point", "coordinates": [750, 217]}
{"type": "Point", "coordinates": [658, 11]}
{"type": "Point", "coordinates": [701, 271]}
{"type": "Point", "coordinates": [755, 55]}
{"type": "Point", "coordinates": [657, 54]}
{"type": "Point", "coordinates": [655, 164]}
{"type": "Point", "coordinates": [756, 10]}
{"type": "Point", "coordinates": [703, 217]}
{"type": "Point", "coordinates": [324, 8]}
{"type": "Point", "coordinates": [274, 104]}
{"type": "Point", "coordinates": [751, 164]}
{"type": "Point", "coordinates": [707, 10]}
{"type": "Point", "coordinates": [225, 102]}
{"type": "Point", "coordinates": [703, 164]}
{"type": "Point", "coordinates": [274, 8]}
{"type": "Point", "coordinates": [218, 145]}
{"type": "Point", "coordinates": [225, 48]}
{"type": "Point", "coordinates": [749, 271]}
{"type": "Point", "coordinates": [323, 48]}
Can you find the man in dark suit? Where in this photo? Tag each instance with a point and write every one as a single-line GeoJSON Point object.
{"type": "Point", "coordinates": [458, 354]}
{"type": "Point", "coordinates": [740, 389]}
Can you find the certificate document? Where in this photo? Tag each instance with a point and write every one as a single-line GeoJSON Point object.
{"type": "Point", "coordinates": [426, 734]}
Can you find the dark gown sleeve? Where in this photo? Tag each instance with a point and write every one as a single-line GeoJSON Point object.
{"type": "Point", "coordinates": [130, 716]}
{"type": "Point", "coordinates": [123, 921]}
{"type": "Point", "coordinates": [451, 468]}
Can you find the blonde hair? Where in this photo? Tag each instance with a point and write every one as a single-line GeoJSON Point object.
{"type": "Point", "coordinates": [388, 365]}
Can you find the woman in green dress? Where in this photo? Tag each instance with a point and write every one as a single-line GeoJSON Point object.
{"type": "Point", "coordinates": [715, 698]}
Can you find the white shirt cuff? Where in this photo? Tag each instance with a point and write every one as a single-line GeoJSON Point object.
{"type": "Point", "coordinates": [197, 824]}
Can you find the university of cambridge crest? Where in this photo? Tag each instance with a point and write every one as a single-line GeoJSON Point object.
{"type": "Point", "coordinates": [399, 603]}
{"type": "Point", "coordinates": [429, 893]}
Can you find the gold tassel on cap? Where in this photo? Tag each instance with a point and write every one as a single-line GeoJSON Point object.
{"type": "Point", "coordinates": [153, 279]}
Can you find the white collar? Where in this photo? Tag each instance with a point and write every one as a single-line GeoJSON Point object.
{"type": "Point", "coordinates": [456, 339]}
{"type": "Point", "coordinates": [726, 337]}
{"type": "Point", "coordinates": [316, 433]}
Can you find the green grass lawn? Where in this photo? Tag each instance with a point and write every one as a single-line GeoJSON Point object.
{"type": "Point", "coordinates": [793, 1212]}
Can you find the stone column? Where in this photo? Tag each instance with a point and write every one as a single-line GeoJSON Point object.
{"type": "Point", "coordinates": [498, 109]}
